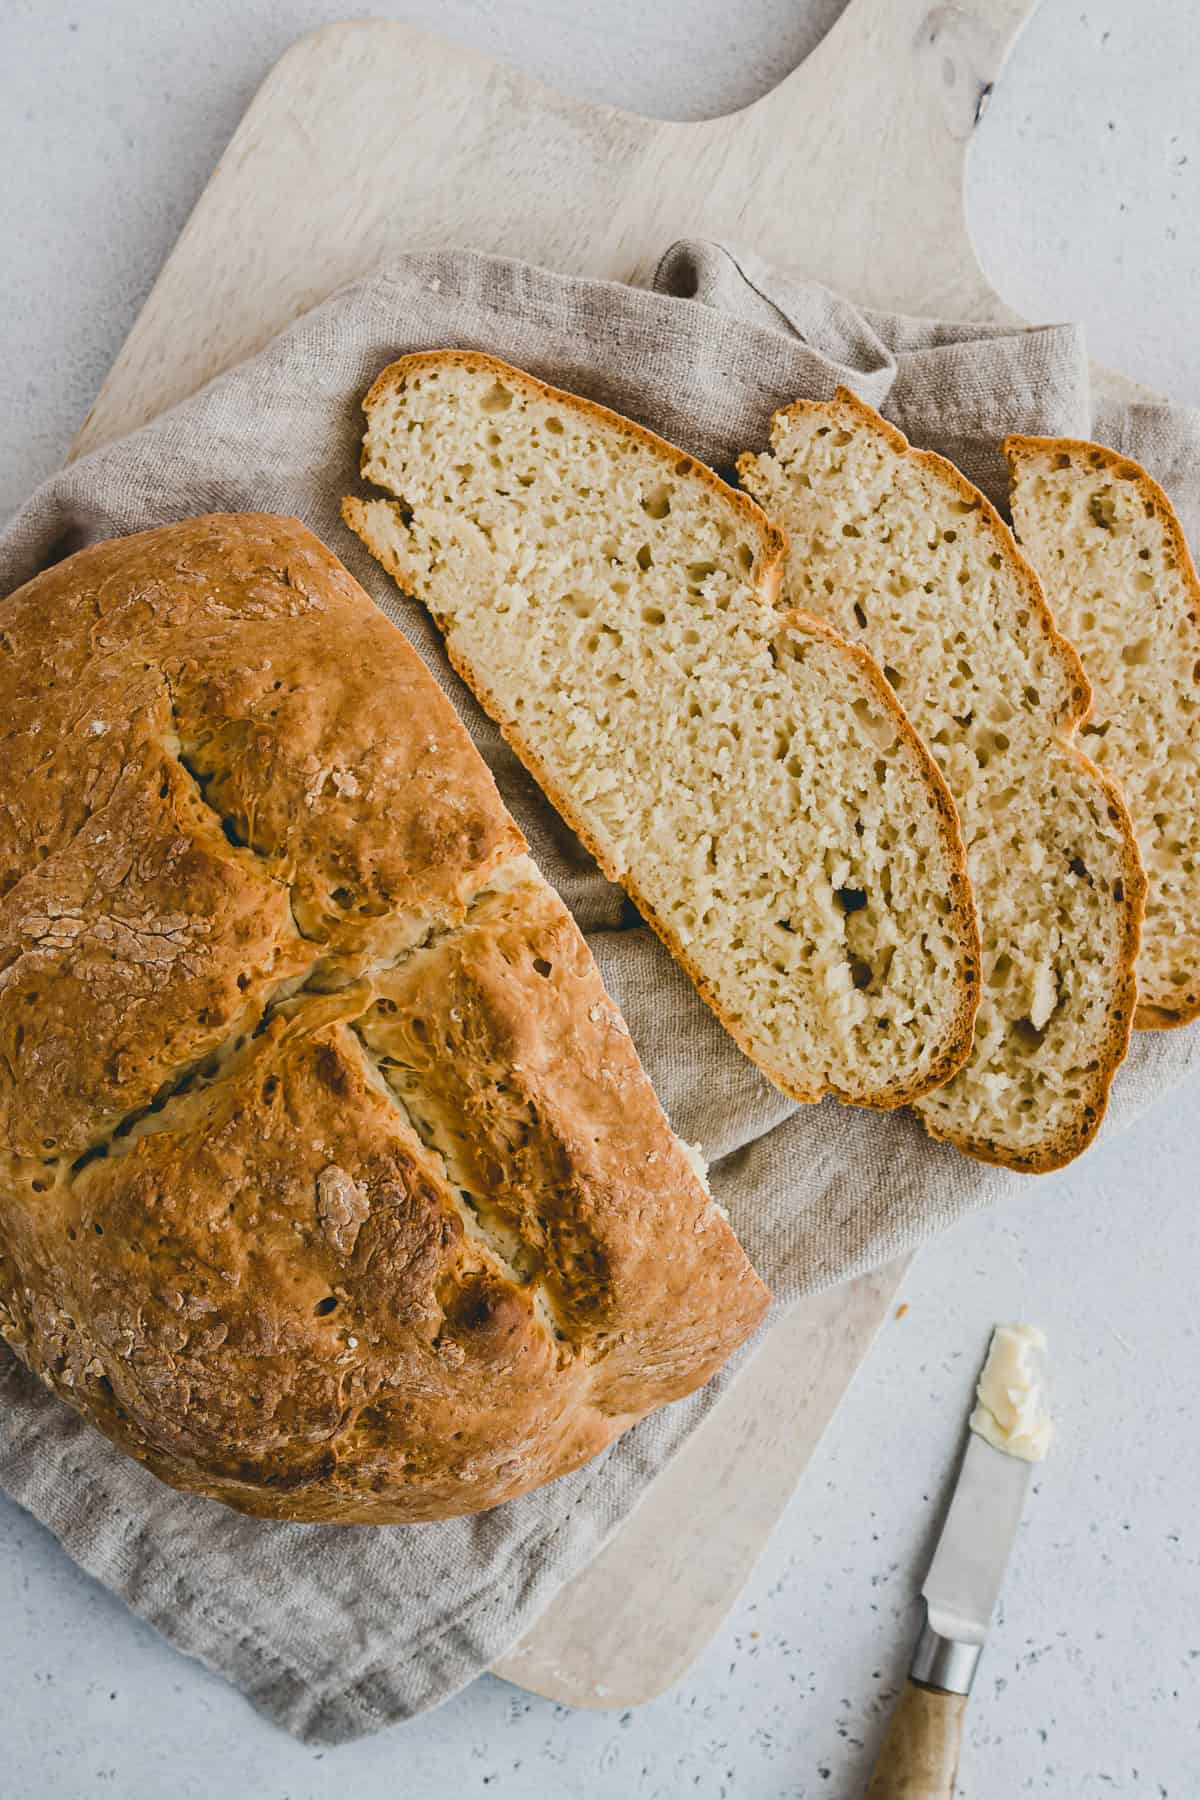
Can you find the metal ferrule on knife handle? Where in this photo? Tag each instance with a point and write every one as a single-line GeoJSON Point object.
{"type": "Point", "coordinates": [944, 1663]}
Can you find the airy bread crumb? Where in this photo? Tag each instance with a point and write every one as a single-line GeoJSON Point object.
{"type": "Point", "coordinates": [746, 775]}
{"type": "Point", "coordinates": [1112, 556]}
{"type": "Point", "coordinates": [893, 546]}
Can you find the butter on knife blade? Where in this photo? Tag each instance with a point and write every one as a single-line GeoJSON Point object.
{"type": "Point", "coordinates": [1010, 1430]}
{"type": "Point", "coordinates": [1011, 1411]}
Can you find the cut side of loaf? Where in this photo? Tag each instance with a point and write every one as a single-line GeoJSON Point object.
{"type": "Point", "coordinates": [1114, 562]}
{"type": "Point", "coordinates": [892, 545]}
{"type": "Point", "coordinates": [746, 775]}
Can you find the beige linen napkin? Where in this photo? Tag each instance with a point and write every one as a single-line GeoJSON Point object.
{"type": "Point", "coordinates": [334, 1632]}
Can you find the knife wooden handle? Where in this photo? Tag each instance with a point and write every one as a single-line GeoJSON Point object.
{"type": "Point", "coordinates": [919, 1757]}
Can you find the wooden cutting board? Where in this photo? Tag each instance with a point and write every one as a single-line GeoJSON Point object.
{"type": "Point", "coordinates": [372, 138]}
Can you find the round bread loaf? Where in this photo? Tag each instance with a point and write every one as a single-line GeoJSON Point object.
{"type": "Point", "coordinates": [331, 1184]}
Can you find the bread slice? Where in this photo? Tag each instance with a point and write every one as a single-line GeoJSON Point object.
{"type": "Point", "coordinates": [894, 546]}
{"type": "Point", "coordinates": [1113, 559]}
{"type": "Point", "coordinates": [746, 775]}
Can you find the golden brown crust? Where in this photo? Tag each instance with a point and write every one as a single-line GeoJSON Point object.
{"type": "Point", "coordinates": [1057, 1151]}
{"type": "Point", "coordinates": [223, 1235]}
{"type": "Point", "coordinates": [1150, 1014]}
{"type": "Point", "coordinates": [1156, 1018]}
{"type": "Point", "coordinates": [774, 542]}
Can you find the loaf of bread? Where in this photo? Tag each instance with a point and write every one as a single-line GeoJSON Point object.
{"type": "Point", "coordinates": [1117, 571]}
{"type": "Point", "coordinates": [747, 777]}
{"type": "Point", "coordinates": [331, 1184]}
{"type": "Point", "coordinates": [894, 546]}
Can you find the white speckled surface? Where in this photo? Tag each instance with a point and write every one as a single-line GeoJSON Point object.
{"type": "Point", "coordinates": [1085, 201]}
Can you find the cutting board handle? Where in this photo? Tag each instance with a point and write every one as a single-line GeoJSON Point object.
{"type": "Point", "coordinates": [910, 61]}
{"type": "Point", "coordinates": [899, 87]}
{"type": "Point", "coordinates": [919, 1756]}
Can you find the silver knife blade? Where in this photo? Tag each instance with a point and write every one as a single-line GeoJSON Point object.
{"type": "Point", "coordinates": [968, 1565]}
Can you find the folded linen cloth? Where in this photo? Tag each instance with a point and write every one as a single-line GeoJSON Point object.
{"type": "Point", "coordinates": [333, 1632]}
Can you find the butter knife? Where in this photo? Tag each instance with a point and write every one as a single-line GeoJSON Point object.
{"type": "Point", "coordinates": [919, 1757]}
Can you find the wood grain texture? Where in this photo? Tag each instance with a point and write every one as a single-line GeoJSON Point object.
{"type": "Point", "coordinates": [682, 1558]}
{"type": "Point", "coordinates": [372, 138]}
{"type": "Point", "coordinates": [919, 1756]}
